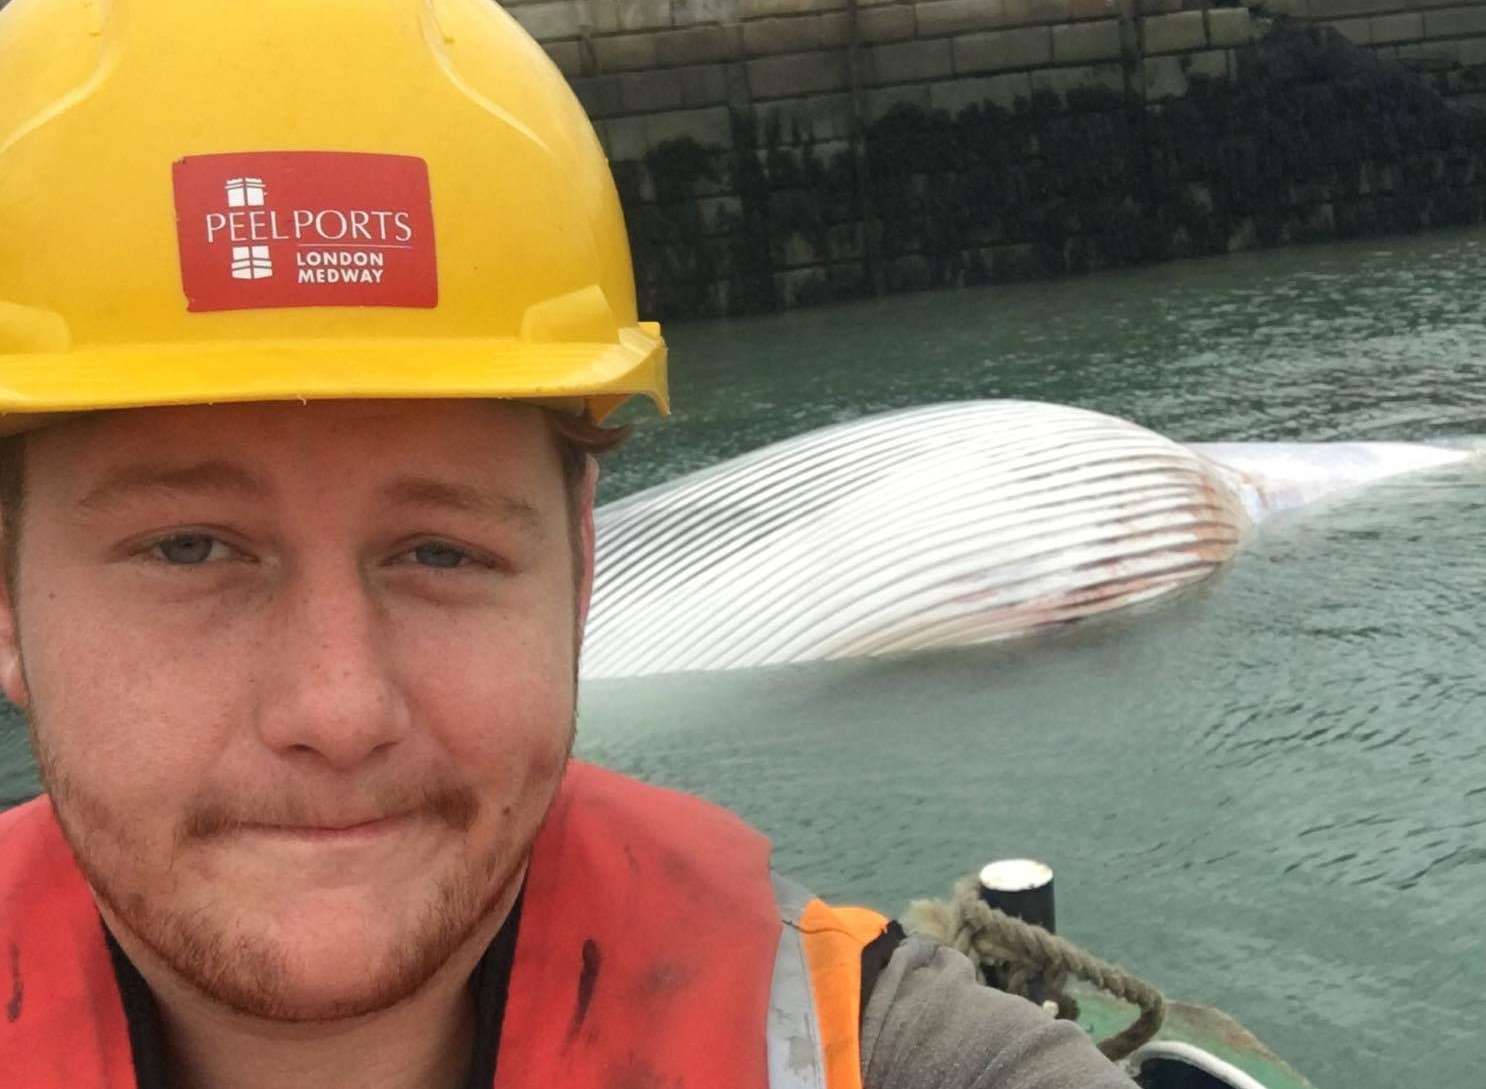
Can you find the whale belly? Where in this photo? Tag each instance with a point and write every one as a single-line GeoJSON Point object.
{"type": "Point", "coordinates": [930, 527]}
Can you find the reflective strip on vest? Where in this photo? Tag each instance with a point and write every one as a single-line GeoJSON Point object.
{"type": "Point", "coordinates": [795, 1060]}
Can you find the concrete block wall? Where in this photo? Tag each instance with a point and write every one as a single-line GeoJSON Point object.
{"type": "Point", "coordinates": [1176, 46]}
{"type": "Point", "coordinates": [1443, 40]}
{"type": "Point", "coordinates": [641, 57]}
{"type": "Point", "coordinates": [741, 131]}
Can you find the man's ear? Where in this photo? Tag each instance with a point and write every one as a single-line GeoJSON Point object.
{"type": "Point", "coordinates": [12, 676]}
{"type": "Point", "coordinates": [584, 523]}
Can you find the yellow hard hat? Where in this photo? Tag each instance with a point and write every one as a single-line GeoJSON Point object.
{"type": "Point", "coordinates": [245, 200]}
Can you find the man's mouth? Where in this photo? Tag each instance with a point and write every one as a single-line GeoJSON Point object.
{"type": "Point", "coordinates": [366, 818]}
{"type": "Point", "coordinates": [331, 829]}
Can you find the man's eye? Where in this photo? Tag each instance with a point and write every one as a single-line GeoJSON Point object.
{"type": "Point", "coordinates": [439, 555]}
{"type": "Point", "coordinates": [189, 549]}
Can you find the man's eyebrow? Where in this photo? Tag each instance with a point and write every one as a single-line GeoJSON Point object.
{"type": "Point", "coordinates": [222, 477]}
{"type": "Point", "coordinates": [465, 498]}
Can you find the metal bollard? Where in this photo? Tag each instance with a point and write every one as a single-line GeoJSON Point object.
{"type": "Point", "coordinates": [1022, 888]}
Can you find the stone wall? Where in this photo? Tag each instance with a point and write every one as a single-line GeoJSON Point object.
{"type": "Point", "coordinates": [1443, 41]}
{"type": "Point", "coordinates": [649, 70]}
{"type": "Point", "coordinates": [781, 152]}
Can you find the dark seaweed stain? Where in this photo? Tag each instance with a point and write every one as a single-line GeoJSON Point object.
{"type": "Point", "coordinates": [17, 988]}
{"type": "Point", "coordinates": [1312, 137]}
{"type": "Point", "coordinates": [587, 977]}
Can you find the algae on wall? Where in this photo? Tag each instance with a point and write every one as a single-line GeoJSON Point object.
{"type": "Point", "coordinates": [711, 229]}
{"type": "Point", "coordinates": [1313, 138]}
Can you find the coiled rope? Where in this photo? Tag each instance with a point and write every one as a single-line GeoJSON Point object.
{"type": "Point", "coordinates": [1018, 956]}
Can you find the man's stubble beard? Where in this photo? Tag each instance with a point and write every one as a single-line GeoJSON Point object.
{"type": "Point", "coordinates": [247, 972]}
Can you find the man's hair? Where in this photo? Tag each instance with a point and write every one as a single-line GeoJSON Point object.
{"type": "Point", "coordinates": [578, 439]}
{"type": "Point", "coordinates": [12, 493]}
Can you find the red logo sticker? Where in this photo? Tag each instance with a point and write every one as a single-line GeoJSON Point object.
{"type": "Point", "coordinates": [270, 229]}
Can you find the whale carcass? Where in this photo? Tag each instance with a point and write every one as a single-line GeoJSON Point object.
{"type": "Point", "coordinates": [938, 526]}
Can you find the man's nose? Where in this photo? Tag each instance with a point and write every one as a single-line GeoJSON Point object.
{"type": "Point", "coordinates": [333, 690]}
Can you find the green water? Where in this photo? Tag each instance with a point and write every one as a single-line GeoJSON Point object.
{"type": "Point", "coordinates": [1269, 795]}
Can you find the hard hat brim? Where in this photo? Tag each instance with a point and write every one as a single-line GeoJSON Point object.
{"type": "Point", "coordinates": [37, 387]}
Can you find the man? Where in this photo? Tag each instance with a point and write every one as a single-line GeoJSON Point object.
{"type": "Point", "coordinates": [308, 311]}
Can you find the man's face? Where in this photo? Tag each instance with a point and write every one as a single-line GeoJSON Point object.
{"type": "Point", "coordinates": [301, 679]}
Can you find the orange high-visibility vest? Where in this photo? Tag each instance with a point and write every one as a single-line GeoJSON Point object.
{"type": "Point", "coordinates": [654, 947]}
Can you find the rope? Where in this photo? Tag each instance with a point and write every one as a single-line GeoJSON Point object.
{"type": "Point", "coordinates": [1024, 954]}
